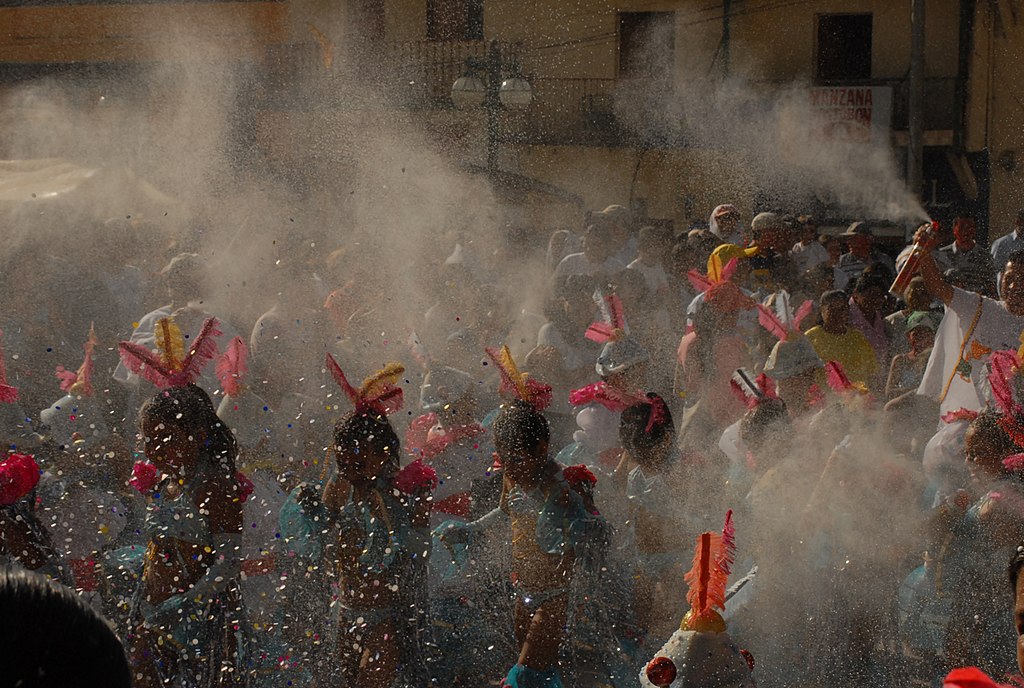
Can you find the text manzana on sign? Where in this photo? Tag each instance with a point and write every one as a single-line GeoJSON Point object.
{"type": "Point", "coordinates": [859, 114]}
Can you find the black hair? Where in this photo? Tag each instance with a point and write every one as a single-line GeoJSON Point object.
{"type": "Point", "coordinates": [1017, 257]}
{"type": "Point", "coordinates": [767, 420]}
{"type": "Point", "coordinates": [633, 433]}
{"type": "Point", "coordinates": [65, 642]}
{"type": "Point", "coordinates": [1016, 564]}
{"type": "Point", "coordinates": [370, 431]}
{"type": "Point", "coordinates": [869, 281]}
{"type": "Point", "coordinates": [190, 408]}
{"type": "Point", "coordinates": [988, 422]}
{"type": "Point", "coordinates": [519, 430]}
{"type": "Point", "coordinates": [832, 295]}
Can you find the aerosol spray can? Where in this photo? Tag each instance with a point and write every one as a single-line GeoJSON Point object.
{"type": "Point", "coordinates": [909, 269]}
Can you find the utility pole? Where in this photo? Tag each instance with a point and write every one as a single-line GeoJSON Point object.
{"type": "Point", "coordinates": [726, 30]}
{"type": "Point", "coordinates": [915, 149]}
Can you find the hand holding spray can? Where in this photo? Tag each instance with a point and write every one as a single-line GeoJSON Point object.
{"type": "Point", "coordinates": [924, 240]}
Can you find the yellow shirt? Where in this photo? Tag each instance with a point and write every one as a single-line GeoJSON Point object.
{"type": "Point", "coordinates": [851, 350]}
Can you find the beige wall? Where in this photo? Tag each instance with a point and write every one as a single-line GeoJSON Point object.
{"type": "Point", "coordinates": [121, 33]}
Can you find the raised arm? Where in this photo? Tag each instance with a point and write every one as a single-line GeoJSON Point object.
{"type": "Point", "coordinates": [933, 280]}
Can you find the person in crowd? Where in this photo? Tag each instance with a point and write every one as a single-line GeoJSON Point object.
{"type": "Point", "coordinates": [1006, 245]}
{"type": "Point", "coordinates": [726, 226]}
{"type": "Point", "coordinates": [837, 340]}
{"type": "Point", "coordinates": [52, 638]}
{"type": "Point", "coordinates": [862, 253]}
{"type": "Point", "coordinates": [907, 369]}
{"type": "Point", "coordinates": [597, 259]}
{"type": "Point", "coordinates": [866, 315]}
{"type": "Point", "coordinates": [969, 257]}
{"type": "Point", "coordinates": [809, 251]}
{"type": "Point", "coordinates": [974, 326]}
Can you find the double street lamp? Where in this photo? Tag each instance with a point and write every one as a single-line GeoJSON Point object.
{"type": "Point", "coordinates": [483, 85]}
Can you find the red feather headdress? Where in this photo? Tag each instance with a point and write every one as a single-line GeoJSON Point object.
{"type": "Point", "coordinates": [379, 393]}
{"type": "Point", "coordinates": [517, 384]}
{"type": "Point", "coordinates": [170, 365]}
{"type": "Point", "coordinates": [232, 366]}
{"type": "Point", "coordinates": [8, 394]}
{"type": "Point", "coordinates": [712, 564]}
{"type": "Point", "coordinates": [752, 392]}
{"type": "Point", "coordinates": [612, 326]}
{"type": "Point", "coordinates": [80, 382]}
{"type": "Point", "coordinates": [783, 322]}
{"type": "Point", "coordinates": [839, 382]}
{"type": "Point", "coordinates": [719, 290]}
{"type": "Point", "coordinates": [19, 475]}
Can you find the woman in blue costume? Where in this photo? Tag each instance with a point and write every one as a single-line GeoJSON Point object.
{"type": "Point", "coordinates": [382, 542]}
{"type": "Point", "coordinates": [187, 618]}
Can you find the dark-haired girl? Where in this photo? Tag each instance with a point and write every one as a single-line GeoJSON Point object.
{"type": "Point", "coordinates": [188, 619]}
{"type": "Point", "coordinates": [660, 536]}
{"type": "Point", "coordinates": [381, 549]}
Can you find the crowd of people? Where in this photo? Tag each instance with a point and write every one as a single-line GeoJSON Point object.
{"type": "Point", "coordinates": [512, 495]}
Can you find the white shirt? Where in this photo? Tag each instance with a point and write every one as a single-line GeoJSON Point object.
{"type": "Point", "coordinates": [964, 371]}
{"type": "Point", "coordinates": [654, 275]}
{"type": "Point", "coordinates": [806, 257]}
{"type": "Point", "coordinates": [579, 264]}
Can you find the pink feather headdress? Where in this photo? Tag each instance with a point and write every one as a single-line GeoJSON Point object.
{"type": "Point", "coordinates": [232, 366]}
{"type": "Point", "coordinates": [839, 382]}
{"type": "Point", "coordinates": [517, 384]}
{"type": "Point", "coordinates": [8, 394]}
{"type": "Point", "coordinates": [19, 475]}
{"type": "Point", "coordinates": [719, 290]}
{"type": "Point", "coordinates": [752, 391]}
{"type": "Point", "coordinates": [612, 326]}
{"type": "Point", "coordinates": [80, 382]}
{"type": "Point", "coordinates": [171, 365]}
{"type": "Point", "coordinates": [378, 394]}
{"type": "Point", "coordinates": [783, 322]}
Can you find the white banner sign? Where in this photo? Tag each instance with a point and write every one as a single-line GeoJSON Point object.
{"type": "Point", "coordinates": [858, 114]}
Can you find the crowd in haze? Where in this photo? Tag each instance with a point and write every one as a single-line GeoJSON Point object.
{"type": "Point", "coordinates": [516, 488]}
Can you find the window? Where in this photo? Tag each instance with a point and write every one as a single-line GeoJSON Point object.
{"type": "Point", "coordinates": [646, 44]}
{"type": "Point", "coordinates": [455, 20]}
{"type": "Point", "coordinates": [368, 17]}
{"type": "Point", "coordinates": [844, 47]}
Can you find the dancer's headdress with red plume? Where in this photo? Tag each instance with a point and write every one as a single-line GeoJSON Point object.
{"type": "Point", "coordinates": [518, 384]}
{"type": "Point", "coordinates": [171, 365]}
{"type": "Point", "coordinates": [379, 393]}
{"type": "Point", "coordinates": [80, 382]}
{"type": "Point", "coordinates": [712, 564]}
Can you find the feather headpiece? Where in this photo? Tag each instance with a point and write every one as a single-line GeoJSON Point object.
{"type": "Point", "coordinates": [232, 366]}
{"type": "Point", "coordinates": [750, 390]}
{"type": "Point", "coordinates": [80, 382]}
{"type": "Point", "coordinates": [839, 382]}
{"type": "Point", "coordinates": [171, 365]}
{"type": "Point", "coordinates": [718, 288]}
{"type": "Point", "coordinates": [8, 394]}
{"type": "Point", "coordinates": [972, 677]}
{"type": "Point", "coordinates": [19, 474]}
{"type": "Point", "coordinates": [379, 392]}
{"type": "Point", "coordinates": [783, 322]}
{"type": "Point", "coordinates": [520, 385]}
{"type": "Point", "coordinates": [712, 564]}
{"type": "Point", "coordinates": [1003, 368]}
{"type": "Point", "coordinates": [612, 325]}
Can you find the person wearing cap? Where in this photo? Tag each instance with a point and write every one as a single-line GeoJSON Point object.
{"type": "Point", "coordinates": [907, 369]}
{"type": "Point", "coordinates": [836, 340]}
{"type": "Point", "coordinates": [968, 256]}
{"type": "Point", "coordinates": [808, 252]}
{"type": "Point", "coordinates": [724, 223]}
{"type": "Point", "coordinates": [794, 365]}
{"type": "Point", "coordinates": [618, 222]}
{"type": "Point", "coordinates": [861, 254]}
{"type": "Point", "coordinates": [773, 237]}
{"type": "Point", "coordinates": [1007, 244]}
{"type": "Point", "coordinates": [866, 308]}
